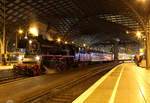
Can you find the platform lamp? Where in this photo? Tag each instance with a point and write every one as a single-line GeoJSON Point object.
{"type": "Point", "coordinates": [139, 35]}
{"type": "Point", "coordinates": [58, 40]}
{"type": "Point", "coordinates": [66, 42]}
{"type": "Point", "coordinates": [84, 45]}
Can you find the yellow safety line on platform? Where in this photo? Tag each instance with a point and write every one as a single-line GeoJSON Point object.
{"type": "Point", "coordinates": [88, 92]}
{"type": "Point", "coordinates": [141, 82]}
{"type": "Point", "coordinates": [112, 99]}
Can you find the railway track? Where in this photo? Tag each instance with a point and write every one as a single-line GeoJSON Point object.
{"type": "Point", "coordinates": [64, 92]}
{"type": "Point", "coordinates": [7, 76]}
{"type": "Point", "coordinates": [11, 79]}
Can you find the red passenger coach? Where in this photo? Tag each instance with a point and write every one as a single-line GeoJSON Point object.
{"type": "Point", "coordinates": [124, 56]}
{"type": "Point", "coordinates": [108, 56]}
{"type": "Point", "coordinates": [99, 56]}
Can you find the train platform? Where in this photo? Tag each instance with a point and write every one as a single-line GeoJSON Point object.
{"type": "Point", "coordinates": [126, 83]}
{"type": "Point", "coordinates": [2, 67]}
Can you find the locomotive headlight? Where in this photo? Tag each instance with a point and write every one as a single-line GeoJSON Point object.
{"type": "Point", "coordinates": [20, 57]}
{"type": "Point", "coordinates": [37, 58]}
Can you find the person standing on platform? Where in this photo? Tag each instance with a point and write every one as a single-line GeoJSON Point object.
{"type": "Point", "coordinates": [137, 60]}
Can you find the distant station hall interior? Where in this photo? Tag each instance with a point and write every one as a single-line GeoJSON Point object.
{"type": "Point", "coordinates": [74, 51]}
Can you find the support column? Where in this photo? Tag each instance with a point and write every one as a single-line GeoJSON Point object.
{"type": "Point", "coordinates": [148, 47]}
{"type": "Point", "coordinates": [2, 42]}
{"type": "Point", "coordinates": [116, 51]}
{"type": "Point", "coordinates": [4, 48]}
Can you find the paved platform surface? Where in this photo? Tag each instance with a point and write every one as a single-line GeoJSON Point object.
{"type": "Point", "coordinates": [126, 83]}
{"type": "Point", "coordinates": [6, 67]}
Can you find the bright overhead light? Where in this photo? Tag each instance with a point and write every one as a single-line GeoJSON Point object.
{"type": "Point", "coordinates": [33, 31]}
{"type": "Point", "coordinates": [141, 1]}
{"type": "Point", "coordinates": [127, 32]}
{"type": "Point", "coordinates": [141, 53]}
{"type": "Point", "coordinates": [37, 58]}
{"type": "Point", "coordinates": [84, 45]}
{"type": "Point", "coordinates": [66, 42]}
{"type": "Point", "coordinates": [20, 31]}
{"type": "Point", "coordinates": [20, 57]}
{"type": "Point", "coordinates": [30, 41]}
{"type": "Point", "coordinates": [59, 40]}
{"type": "Point", "coordinates": [138, 34]}
{"type": "Point", "coordinates": [26, 37]}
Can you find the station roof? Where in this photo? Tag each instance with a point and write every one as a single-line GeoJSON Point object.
{"type": "Point", "coordinates": [96, 22]}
